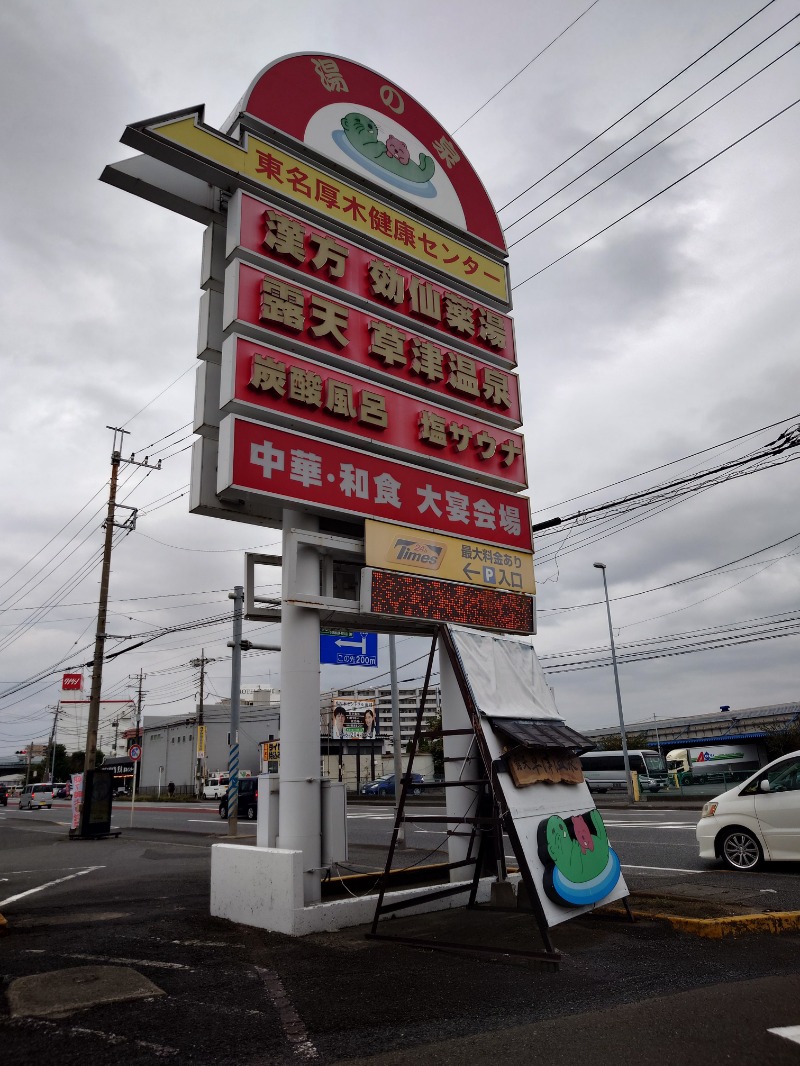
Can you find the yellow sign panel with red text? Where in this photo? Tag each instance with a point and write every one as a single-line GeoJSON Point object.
{"type": "Point", "coordinates": [291, 177]}
{"type": "Point", "coordinates": [416, 551]}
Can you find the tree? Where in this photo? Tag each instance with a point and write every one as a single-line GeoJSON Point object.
{"type": "Point", "coordinates": [61, 763]}
{"type": "Point", "coordinates": [76, 760]}
{"type": "Point", "coordinates": [781, 741]}
{"type": "Point", "coordinates": [614, 743]}
{"type": "Point", "coordinates": [434, 746]}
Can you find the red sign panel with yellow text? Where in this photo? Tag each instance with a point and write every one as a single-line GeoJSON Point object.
{"type": "Point", "coordinates": [291, 390]}
{"type": "Point", "coordinates": [333, 479]}
{"type": "Point", "coordinates": [407, 359]}
{"type": "Point", "coordinates": [325, 256]}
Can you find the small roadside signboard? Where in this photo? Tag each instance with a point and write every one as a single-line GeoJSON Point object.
{"type": "Point", "coordinates": [134, 752]}
{"type": "Point", "coordinates": [349, 649]}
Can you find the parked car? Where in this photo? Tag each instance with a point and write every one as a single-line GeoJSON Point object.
{"type": "Point", "coordinates": [248, 800]}
{"type": "Point", "coordinates": [216, 787]}
{"type": "Point", "coordinates": [35, 797]}
{"type": "Point", "coordinates": [756, 821]}
{"type": "Point", "coordinates": [384, 786]}
{"type": "Point", "coordinates": [63, 792]}
{"type": "Point", "coordinates": [3, 794]}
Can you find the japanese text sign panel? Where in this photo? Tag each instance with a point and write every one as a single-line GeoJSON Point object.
{"type": "Point", "coordinates": [407, 596]}
{"type": "Point", "coordinates": [357, 118]}
{"type": "Point", "coordinates": [305, 316]}
{"type": "Point", "coordinates": [286, 389]}
{"type": "Point", "coordinates": [410, 551]}
{"type": "Point", "coordinates": [291, 177]}
{"type": "Point", "coordinates": [322, 255]}
{"type": "Point", "coordinates": [332, 479]}
{"type": "Point", "coordinates": [349, 649]}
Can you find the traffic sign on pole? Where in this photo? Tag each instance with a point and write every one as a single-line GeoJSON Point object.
{"type": "Point", "coordinates": [349, 649]}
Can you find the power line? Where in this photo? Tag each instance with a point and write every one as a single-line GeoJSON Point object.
{"type": "Point", "coordinates": [660, 192]}
{"type": "Point", "coordinates": [641, 103]}
{"type": "Point", "coordinates": [763, 458]}
{"type": "Point", "coordinates": [679, 581]}
{"type": "Point", "coordinates": [662, 466]}
{"type": "Point", "coordinates": [523, 69]}
{"type": "Point", "coordinates": [642, 155]}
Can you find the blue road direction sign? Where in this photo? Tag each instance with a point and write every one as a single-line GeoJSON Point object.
{"type": "Point", "coordinates": [348, 649]}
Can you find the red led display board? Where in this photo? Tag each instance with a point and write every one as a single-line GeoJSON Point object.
{"type": "Point", "coordinates": [408, 360]}
{"type": "Point", "coordinates": [409, 596]}
{"type": "Point", "coordinates": [318, 253]}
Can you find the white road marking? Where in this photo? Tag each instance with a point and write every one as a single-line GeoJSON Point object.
{"type": "Point", "coordinates": [293, 1027]}
{"type": "Point", "coordinates": [49, 884]}
{"type": "Point", "coordinates": [110, 1038]}
{"type": "Point", "coordinates": [119, 961]}
{"type": "Point", "coordinates": [666, 869]}
{"type": "Point", "coordinates": [207, 821]}
{"type": "Point", "coordinates": [790, 1032]}
{"type": "Point", "coordinates": [650, 825]}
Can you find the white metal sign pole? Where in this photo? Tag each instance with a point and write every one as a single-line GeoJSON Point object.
{"type": "Point", "coordinates": [299, 816]}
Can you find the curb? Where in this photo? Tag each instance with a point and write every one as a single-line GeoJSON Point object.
{"type": "Point", "coordinates": [717, 928]}
{"type": "Point", "coordinates": [735, 925]}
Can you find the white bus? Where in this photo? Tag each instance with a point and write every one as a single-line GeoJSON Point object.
{"type": "Point", "coordinates": [604, 771]}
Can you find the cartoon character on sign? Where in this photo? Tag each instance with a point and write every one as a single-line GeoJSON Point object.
{"type": "Point", "coordinates": [393, 156]}
{"type": "Point", "coordinates": [580, 867]}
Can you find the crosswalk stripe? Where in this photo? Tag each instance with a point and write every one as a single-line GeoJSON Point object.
{"type": "Point", "coordinates": [790, 1032]}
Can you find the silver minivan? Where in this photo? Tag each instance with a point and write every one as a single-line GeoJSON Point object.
{"type": "Point", "coordinates": [34, 797]}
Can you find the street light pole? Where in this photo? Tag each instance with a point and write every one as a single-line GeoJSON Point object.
{"type": "Point", "coordinates": [625, 759]}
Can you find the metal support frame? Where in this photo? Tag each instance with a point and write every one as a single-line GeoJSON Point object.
{"type": "Point", "coordinates": [487, 828]}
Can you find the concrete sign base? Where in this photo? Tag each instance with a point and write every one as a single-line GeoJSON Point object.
{"type": "Point", "coordinates": [263, 887]}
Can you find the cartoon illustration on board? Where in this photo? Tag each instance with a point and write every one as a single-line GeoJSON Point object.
{"type": "Point", "coordinates": [580, 867]}
{"type": "Point", "coordinates": [390, 158]}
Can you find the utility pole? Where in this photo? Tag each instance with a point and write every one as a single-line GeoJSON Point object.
{"type": "Point", "coordinates": [137, 738]}
{"type": "Point", "coordinates": [51, 744]}
{"type": "Point", "coordinates": [90, 756]}
{"type": "Point", "coordinates": [201, 747]}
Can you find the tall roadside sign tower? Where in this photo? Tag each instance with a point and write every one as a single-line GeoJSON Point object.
{"type": "Point", "coordinates": [356, 382]}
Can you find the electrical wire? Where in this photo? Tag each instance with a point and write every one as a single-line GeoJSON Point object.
{"type": "Point", "coordinates": [538, 55]}
{"type": "Point", "coordinates": [655, 195]}
{"type": "Point", "coordinates": [641, 103]}
{"type": "Point", "coordinates": [642, 155]}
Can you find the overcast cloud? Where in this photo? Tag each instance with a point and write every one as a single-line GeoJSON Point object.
{"type": "Point", "coordinates": [674, 331]}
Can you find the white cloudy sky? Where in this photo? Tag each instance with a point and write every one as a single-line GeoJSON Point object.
{"type": "Point", "coordinates": [671, 333]}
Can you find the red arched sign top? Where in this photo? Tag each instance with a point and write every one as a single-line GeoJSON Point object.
{"type": "Point", "coordinates": [366, 123]}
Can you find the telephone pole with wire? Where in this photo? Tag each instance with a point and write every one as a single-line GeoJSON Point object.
{"type": "Point", "coordinates": [201, 743]}
{"type": "Point", "coordinates": [90, 754]}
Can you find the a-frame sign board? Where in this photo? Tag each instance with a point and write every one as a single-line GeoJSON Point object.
{"type": "Point", "coordinates": [523, 779]}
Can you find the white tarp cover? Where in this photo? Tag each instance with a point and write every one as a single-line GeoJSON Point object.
{"type": "Point", "coordinates": [504, 675]}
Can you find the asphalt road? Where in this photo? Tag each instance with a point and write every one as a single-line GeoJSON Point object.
{"type": "Point", "coordinates": [226, 994]}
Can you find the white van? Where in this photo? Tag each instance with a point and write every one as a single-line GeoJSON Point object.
{"type": "Point", "coordinates": [756, 821]}
{"type": "Point", "coordinates": [34, 797]}
{"type": "Point", "coordinates": [216, 787]}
